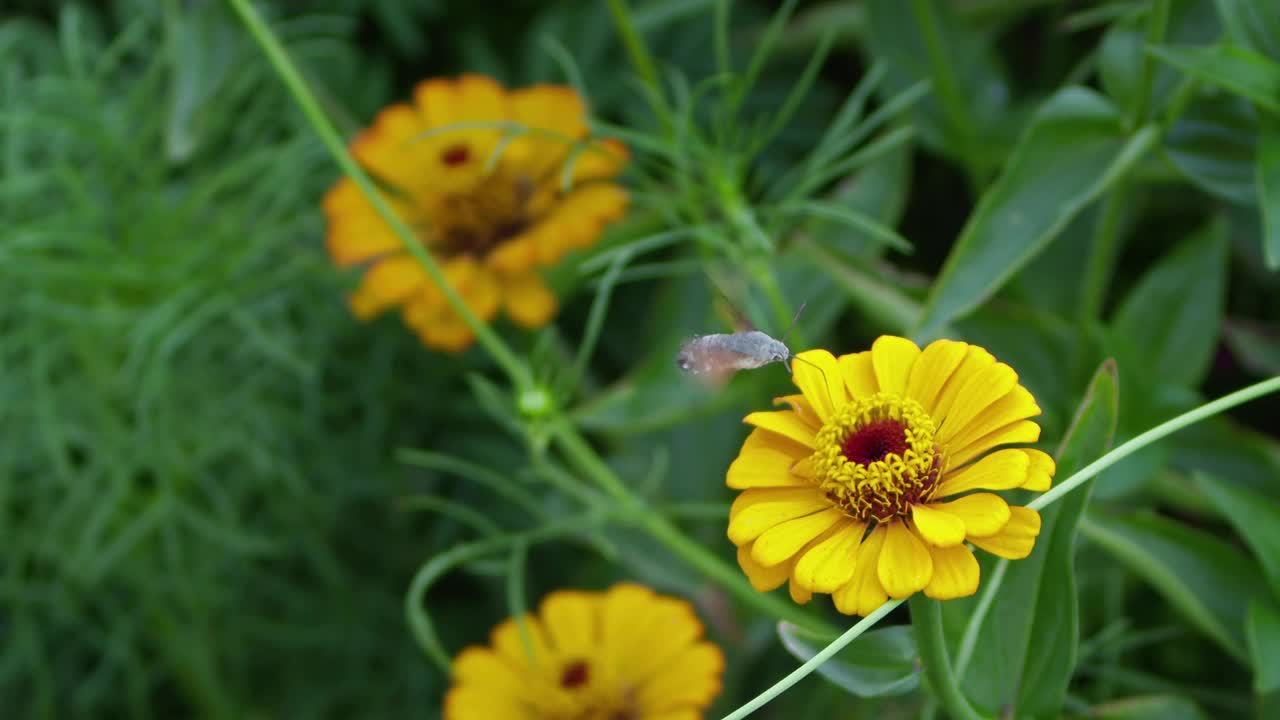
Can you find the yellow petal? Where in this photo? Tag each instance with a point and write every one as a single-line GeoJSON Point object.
{"type": "Point", "coordinates": [801, 407]}
{"type": "Point", "coordinates": [975, 359]}
{"type": "Point", "coordinates": [1023, 431]}
{"type": "Point", "coordinates": [937, 527]}
{"type": "Point", "coordinates": [859, 375]}
{"type": "Point", "coordinates": [892, 358]}
{"type": "Point", "coordinates": [515, 256]}
{"type": "Point", "coordinates": [818, 376]}
{"type": "Point", "coordinates": [829, 564]}
{"type": "Point", "coordinates": [759, 509]}
{"type": "Point", "coordinates": [763, 579]}
{"type": "Point", "coordinates": [356, 232]}
{"type": "Point", "coordinates": [931, 371]}
{"type": "Point", "coordinates": [481, 666]}
{"type": "Point", "coordinates": [1040, 476]}
{"type": "Point", "coordinates": [1001, 470]}
{"type": "Point", "coordinates": [389, 282]}
{"type": "Point", "coordinates": [508, 642]}
{"type": "Point", "coordinates": [983, 514]}
{"type": "Point", "coordinates": [559, 113]}
{"type": "Point", "coordinates": [690, 678]}
{"type": "Point", "coordinates": [785, 423]}
{"type": "Point", "coordinates": [955, 573]}
{"type": "Point", "coordinates": [483, 701]}
{"type": "Point", "coordinates": [782, 541]}
{"type": "Point", "coordinates": [599, 160]}
{"type": "Point", "coordinates": [763, 468]}
{"type": "Point", "coordinates": [641, 632]}
{"type": "Point", "coordinates": [765, 440]}
{"type": "Point", "coordinates": [1015, 405]}
{"type": "Point", "coordinates": [864, 593]}
{"type": "Point", "coordinates": [977, 392]}
{"type": "Point", "coordinates": [905, 564]}
{"type": "Point", "coordinates": [1018, 537]}
{"type": "Point", "coordinates": [387, 147]}
{"type": "Point", "coordinates": [527, 301]}
{"type": "Point", "coordinates": [569, 618]}
{"type": "Point", "coordinates": [800, 595]}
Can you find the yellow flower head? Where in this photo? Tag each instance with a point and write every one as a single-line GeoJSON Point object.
{"type": "Point", "coordinates": [865, 488]}
{"type": "Point", "coordinates": [490, 204]}
{"type": "Point", "coordinates": [623, 654]}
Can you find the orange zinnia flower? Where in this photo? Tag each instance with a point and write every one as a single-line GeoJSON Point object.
{"type": "Point", "coordinates": [495, 184]}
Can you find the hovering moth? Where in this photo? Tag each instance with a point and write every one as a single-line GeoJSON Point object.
{"type": "Point", "coordinates": [720, 355]}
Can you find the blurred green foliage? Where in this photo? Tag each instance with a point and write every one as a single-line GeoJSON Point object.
{"type": "Point", "coordinates": [209, 503]}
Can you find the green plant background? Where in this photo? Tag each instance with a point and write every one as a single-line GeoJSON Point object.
{"type": "Point", "coordinates": [216, 486]}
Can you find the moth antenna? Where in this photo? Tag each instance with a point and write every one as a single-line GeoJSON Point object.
{"type": "Point", "coordinates": [810, 364]}
{"type": "Point", "coordinates": [793, 323]}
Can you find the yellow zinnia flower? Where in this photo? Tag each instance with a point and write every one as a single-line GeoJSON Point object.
{"type": "Point", "coordinates": [863, 489]}
{"type": "Point", "coordinates": [623, 654]}
{"type": "Point", "coordinates": [491, 207]}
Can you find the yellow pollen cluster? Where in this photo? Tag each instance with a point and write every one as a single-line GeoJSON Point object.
{"type": "Point", "coordinates": [886, 487]}
{"type": "Point", "coordinates": [474, 222]}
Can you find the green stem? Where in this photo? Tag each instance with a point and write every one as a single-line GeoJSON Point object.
{"type": "Point", "coordinates": [926, 624]}
{"type": "Point", "coordinates": [1159, 432]}
{"type": "Point", "coordinates": [814, 662]}
{"type": "Point", "coordinates": [1102, 255]}
{"type": "Point", "coordinates": [947, 86]}
{"type": "Point", "coordinates": [581, 454]}
{"type": "Point", "coordinates": [631, 40]}
{"type": "Point", "coordinates": [516, 370]}
{"type": "Point", "coordinates": [1157, 23]}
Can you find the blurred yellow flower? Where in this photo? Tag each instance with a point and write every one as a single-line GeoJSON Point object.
{"type": "Point", "coordinates": [844, 493]}
{"type": "Point", "coordinates": [491, 204]}
{"type": "Point", "coordinates": [623, 654]}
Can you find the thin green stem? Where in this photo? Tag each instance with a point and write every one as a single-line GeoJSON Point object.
{"type": "Point", "coordinates": [969, 641]}
{"type": "Point", "coordinates": [516, 370]}
{"type": "Point", "coordinates": [1102, 255]}
{"type": "Point", "coordinates": [947, 86]}
{"type": "Point", "coordinates": [926, 624]}
{"type": "Point", "coordinates": [631, 40]}
{"type": "Point", "coordinates": [1159, 432]}
{"type": "Point", "coordinates": [581, 454]}
{"type": "Point", "coordinates": [1157, 23]}
{"type": "Point", "coordinates": [814, 662]}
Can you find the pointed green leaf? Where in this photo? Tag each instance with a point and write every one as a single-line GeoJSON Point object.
{"type": "Point", "coordinates": [1173, 315]}
{"type": "Point", "coordinates": [1080, 136]}
{"type": "Point", "coordinates": [1263, 632]}
{"type": "Point", "coordinates": [1255, 518]}
{"type": "Point", "coordinates": [878, 663]}
{"type": "Point", "coordinates": [1206, 579]}
{"type": "Point", "coordinates": [1026, 646]}
{"type": "Point", "coordinates": [1231, 67]}
{"type": "Point", "coordinates": [1268, 171]}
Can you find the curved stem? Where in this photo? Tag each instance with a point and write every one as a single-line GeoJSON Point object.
{"type": "Point", "coordinates": [516, 370]}
{"type": "Point", "coordinates": [631, 40]}
{"type": "Point", "coordinates": [926, 623]}
{"type": "Point", "coordinates": [814, 662]}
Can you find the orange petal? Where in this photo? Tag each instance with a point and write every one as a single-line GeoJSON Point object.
{"type": "Point", "coordinates": [527, 300]}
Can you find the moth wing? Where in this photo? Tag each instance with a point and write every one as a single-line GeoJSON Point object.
{"type": "Point", "coordinates": [711, 364]}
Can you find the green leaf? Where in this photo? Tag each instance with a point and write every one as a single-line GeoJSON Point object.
{"type": "Point", "coordinates": [1228, 66]}
{"type": "Point", "coordinates": [1077, 133]}
{"type": "Point", "coordinates": [1268, 173]}
{"type": "Point", "coordinates": [1151, 707]}
{"type": "Point", "coordinates": [1206, 579]}
{"type": "Point", "coordinates": [1263, 631]}
{"type": "Point", "coordinates": [1213, 143]}
{"type": "Point", "coordinates": [1253, 24]}
{"type": "Point", "coordinates": [1026, 647]}
{"type": "Point", "coordinates": [878, 663]}
{"type": "Point", "coordinates": [1255, 346]}
{"type": "Point", "coordinates": [1255, 518]}
{"type": "Point", "coordinates": [1173, 315]}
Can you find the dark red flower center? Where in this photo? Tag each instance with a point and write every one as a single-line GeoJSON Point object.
{"type": "Point", "coordinates": [875, 441]}
{"type": "Point", "coordinates": [574, 675]}
{"type": "Point", "coordinates": [455, 155]}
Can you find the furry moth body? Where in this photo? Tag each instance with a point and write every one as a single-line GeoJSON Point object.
{"type": "Point", "coordinates": [725, 353]}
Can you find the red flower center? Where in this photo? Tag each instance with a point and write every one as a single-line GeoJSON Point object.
{"type": "Point", "coordinates": [455, 155]}
{"type": "Point", "coordinates": [575, 675]}
{"type": "Point", "coordinates": [875, 441]}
